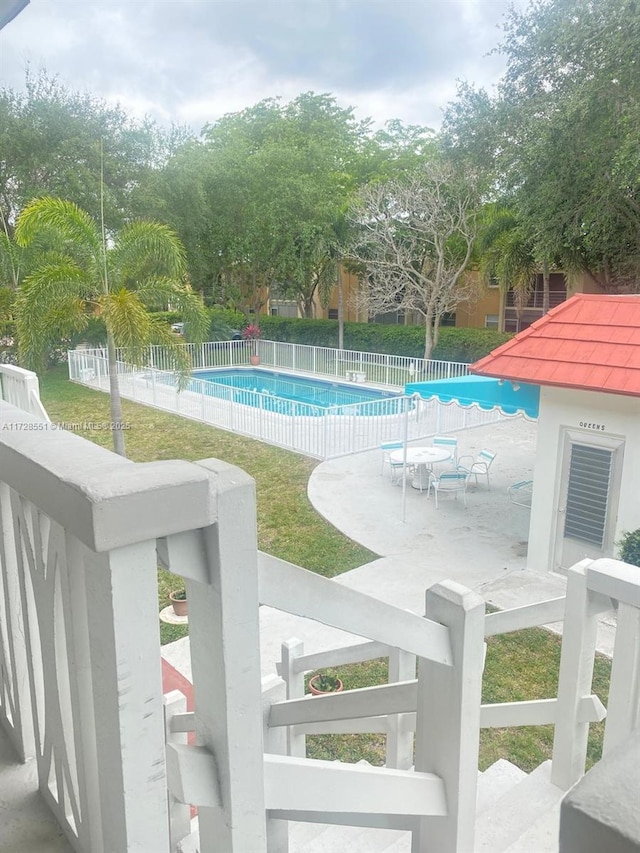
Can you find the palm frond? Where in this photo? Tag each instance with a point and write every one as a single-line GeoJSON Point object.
{"type": "Point", "coordinates": [146, 249]}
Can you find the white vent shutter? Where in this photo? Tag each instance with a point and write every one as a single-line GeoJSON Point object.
{"type": "Point", "coordinates": [588, 493]}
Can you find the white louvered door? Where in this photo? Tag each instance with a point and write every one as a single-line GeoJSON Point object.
{"type": "Point", "coordinates": [588, 498]}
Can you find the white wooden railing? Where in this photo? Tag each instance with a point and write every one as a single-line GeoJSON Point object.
{"type": "Point", "coordinates": [316, 432]}
{"type": "Point", "coordinates": [20, 388]}
{"type": "Point", "coordinates": [594, 587]}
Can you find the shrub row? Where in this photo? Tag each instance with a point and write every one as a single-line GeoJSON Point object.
{"type": "Point", "coordinates": [466, 345]}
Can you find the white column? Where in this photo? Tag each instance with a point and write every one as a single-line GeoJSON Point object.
{"type": "Point", "coordinates": [448, 718]}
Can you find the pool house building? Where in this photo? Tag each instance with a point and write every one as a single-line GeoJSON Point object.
{"type": "Point", "coordinates": [585, 356]}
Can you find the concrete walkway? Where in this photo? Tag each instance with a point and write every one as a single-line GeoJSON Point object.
{"type": "Point", "coordinates": [482, 546]}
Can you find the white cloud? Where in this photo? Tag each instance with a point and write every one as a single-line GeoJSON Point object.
{"type": "Point", "coordinates": [194, 60]}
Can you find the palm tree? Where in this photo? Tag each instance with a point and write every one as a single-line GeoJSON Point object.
{"type": "Point", "coordinates": [82, 272]}
{"type": "Point", "coordinates": [506, 254]}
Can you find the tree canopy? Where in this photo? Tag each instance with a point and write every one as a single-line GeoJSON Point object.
{"type": "Point", "coordinates": [560, 138]}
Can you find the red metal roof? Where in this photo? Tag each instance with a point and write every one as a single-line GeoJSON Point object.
{"type": "Point", "coordinates": [590, 342]}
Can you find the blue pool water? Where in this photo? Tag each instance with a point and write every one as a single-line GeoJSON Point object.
{"type": "Point", "coordinates": [482, 390]}
{"type": "Point", "coordinates": [289, 394]}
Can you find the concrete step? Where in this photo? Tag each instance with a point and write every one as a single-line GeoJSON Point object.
{"type": "Point", "coordinates": [542, 836]}
{"type": "Point", "coordinates": [349, 839]}
{"type": "Point", "coordinates": [516, 812]}
{"type": "Point", "coordinates": [496, 781]}
{"type": "Point", "coordinates": [26, 824]}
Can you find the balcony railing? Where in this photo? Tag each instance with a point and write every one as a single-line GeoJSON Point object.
{"type": "Point", "coordinates": [536, 298]}
{"type": "Point", "coordinates": [81, 533]}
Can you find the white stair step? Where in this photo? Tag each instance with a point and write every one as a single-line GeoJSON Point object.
{"type": "Point", "coordinates": [349, 839]}
{"type": "Point", "coordinates": [516, 811]}
{"type": "Point", "coordinates": [495, 782]}
{"type": "Point", "coordinates": [542, 836]}
{"type": "Point", "coordinates": [402, 845]}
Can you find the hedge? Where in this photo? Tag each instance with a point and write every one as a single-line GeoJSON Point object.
{"type": "Point", "coordinates": [465, 345]}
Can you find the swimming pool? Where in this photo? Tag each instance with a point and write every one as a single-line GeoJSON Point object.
{"type": "Point", "coordinates": [291, 394]}
{"type": "Point", "coordinates": [483, 391]}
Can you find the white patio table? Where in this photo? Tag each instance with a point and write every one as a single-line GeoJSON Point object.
{"type": "Point", "coordinates": [423, 458]}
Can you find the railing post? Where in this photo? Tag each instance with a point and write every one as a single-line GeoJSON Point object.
{"type": "Point", "coordinates": [579, 636]}
{"type": "Point", "coordinates": [624, 690]}
{"type": "Point", "coordinates": [402, 667]}
{"type": "Point", "coordinates": [275, 742]}
{"type": "Point", "coordinates": [448, 718]}
{"type": "Point", "coordinates": [225, 658]}
{"type": "Point", "coordinates": [289, 651]}
{"type": "Point", "coordinates": [127, 722]}
{"type": "Point", "coordinates": [175, 702]}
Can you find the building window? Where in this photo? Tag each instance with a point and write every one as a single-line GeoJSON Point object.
{"type": "Point", "coordinates": [333, 314]}
{"type": "Point", "coordinates": [390, 318]}
{"type": "Point", "coordinates": [448, 319]}
{"type": "Point", "coordinates": [493, 282]}
{"type": "Point", "coordinates": [491, 321]}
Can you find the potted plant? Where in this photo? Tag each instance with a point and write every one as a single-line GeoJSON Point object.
{"type": "Point", "coordinates": [252, 333]}
{"type": "Point", "coordinates": [325, 682]}
{"type": "Point", "coordinates": [178, 599]}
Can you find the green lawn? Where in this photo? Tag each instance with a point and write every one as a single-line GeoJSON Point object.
{"type": "Point", "coordinates": [519, 666]}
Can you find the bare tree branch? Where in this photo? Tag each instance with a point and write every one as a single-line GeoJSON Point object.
{"type": "Point", "coordinates": [414, 236]}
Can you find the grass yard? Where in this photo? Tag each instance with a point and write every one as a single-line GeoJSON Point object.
{"type": "Point", "coordinates": [519, 666]}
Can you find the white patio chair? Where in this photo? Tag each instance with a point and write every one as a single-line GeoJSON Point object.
{"type": "Point", "coordinates": [448, 482]}
{"type": "Point", "coordinates": [520, 493]}
{"type": "Point", "coordinates": [387, 447]}
{"type": "Point", "coordinates": [450, 443]}
{"type": "Point", "coordinates": [478, 466]}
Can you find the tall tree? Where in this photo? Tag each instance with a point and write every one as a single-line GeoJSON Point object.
{"type": "Point", "coordinates": [268, 186]}
{"type": "Point", "coordinates": [415, 238]}
{"type": "Point", "coordinates": [561, 134]}
{"type": "Point", "coordinates": [68, 144]}
{"type": "Point", "coordinates": [84, 272]}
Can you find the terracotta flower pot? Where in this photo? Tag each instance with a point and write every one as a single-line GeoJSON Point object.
{"type": "Point", "coordinates": [255, 360]}
{"type": "Point", "coordinates": [317, 692]}
{"type": "Point", "coordinates": [180, 605]}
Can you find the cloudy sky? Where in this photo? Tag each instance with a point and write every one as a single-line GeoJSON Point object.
{"type": "Point", "coordinates": [191, 61]}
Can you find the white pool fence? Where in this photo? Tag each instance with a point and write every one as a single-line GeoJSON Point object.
{"type": "Point", "coordinates": [316, 432]}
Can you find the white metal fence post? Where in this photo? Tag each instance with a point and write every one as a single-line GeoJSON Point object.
{"type": "Point", "coordinates": [448, 718]}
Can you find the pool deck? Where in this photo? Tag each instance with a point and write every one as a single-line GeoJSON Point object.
{"type": "Point", "coordinates": [482, 546]}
